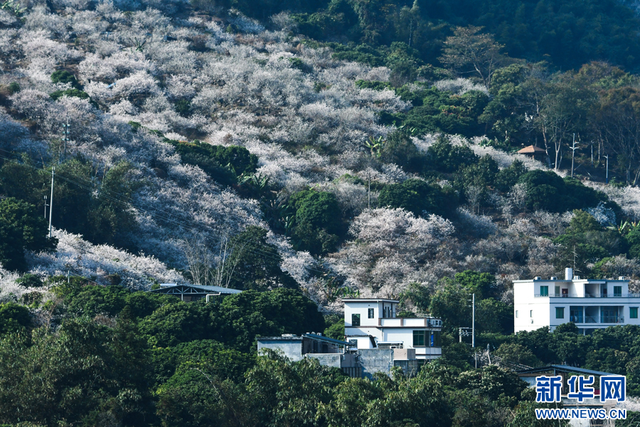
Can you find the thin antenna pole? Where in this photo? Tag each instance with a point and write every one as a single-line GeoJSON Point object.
{"type": "Point", "coordinates": [473, 328]}
{"type": "Point", "coordinates": [573, 153]}
{"type": "Point", "coordinates": [473, 320]}
{"type": "Point", "coordinates": [53, 173]}
{"type": "Point", "coordinates": [606, 181]}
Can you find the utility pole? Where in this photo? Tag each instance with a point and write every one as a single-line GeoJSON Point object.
{"type": "Point", "coordinates": [473, 328]}
{"type": "Point", "coordinates": [53, 173]}
{"type": "Point", "coordinates": [473, 320]}
{"type": "Point", "coordinates": [573, 153]}
{"type": "Point", "coordinates": [606, 181]}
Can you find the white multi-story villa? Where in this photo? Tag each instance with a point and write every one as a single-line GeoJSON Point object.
{"type": "Point", "coordinates": [372, 323]}
{"type": "Point", "coordinates": [589, 303]}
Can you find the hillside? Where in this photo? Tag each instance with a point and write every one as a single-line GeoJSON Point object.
{"type": "Point", "coordinates": [171, 135]}
{"type": "Point", "coordinates": [332, 149]}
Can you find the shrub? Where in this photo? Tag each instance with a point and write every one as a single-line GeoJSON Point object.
{"type": "Point", "coordinates": [29, 281]}
{"type": "Point", "coordinates": [418, 196]}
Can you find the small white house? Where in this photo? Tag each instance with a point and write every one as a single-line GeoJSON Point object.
{"type": "Point", "coordinates": [372, 323]}
{"type": "Point", "coordinates": [590, 304]}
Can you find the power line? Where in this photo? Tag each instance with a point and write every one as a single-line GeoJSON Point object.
{"type": "Point", "coordinates": [87, 185]}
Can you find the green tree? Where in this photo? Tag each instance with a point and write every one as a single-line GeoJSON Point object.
{"type": "Point", "coordinates": [253, 263]}
{"type": "Point", "coordinates": [82, 299]}
{"type": "Point", "coordinates": [445, 157]}
{"type": "Point", "coordinates": [468, 51]}
{"type": "Point", "coordinates": [451, 304]}
{"type": "Point", "coordinates": [82, 373]}
{"type": "Point", "coordinates": [539, 342]}
{"type": "Point", "coordinates": [563, 111]}
{"type": "Point", "coordinates": [110, 215]}
{"type": "Point", "coordinates": [586, 241]}
{"type": "Point", "coordinates": [317, 221]}
{"type": "Point", "coordinates": [21, 228]}
{"type": "Point", "coordinates": [72, 194]}
{"type": "Point", "coordinates": [481, 284]}
{"type": "Point", "coordinates": [399, 149]}
{"type": "Point", "coordinates": [517, 353]}
{"type": "Point", "coordinates": [23, 181]}
{"type": "Point", "coordinates": [14, 318]}
{"type": "Point", "coordinates": [476, 180]}
{"type": "Point", "coordinates": [245, 316]}
{"type": "Point", "coordinates": [418, 197]}
{"type": "Point", "coordinates": [194, 396]}
{"type": "Point", "coordinates": [613, 120]}
{"type": "Point", "coordinates": [64, 76]}
{"type": "Point", "coordinates": [493, 315]}
{"type": "Point", "coordinates": [290, 393]}
{"type": "Point", "coordinates": [544, 190]}
{"type": "Point", "coordinates": [506, 178]}
{"type": "Point", "coordinates": [172, 324]}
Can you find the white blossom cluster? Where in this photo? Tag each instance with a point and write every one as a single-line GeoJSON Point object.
{"type": "Point", "coordinates": [294, 107]}
{"type": "Point", "coordinates": [101, 263]}
{"type": "Point", "coordinates": [392, 248]}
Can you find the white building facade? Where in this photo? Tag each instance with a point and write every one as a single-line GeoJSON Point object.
{"type": "Point", "coordinates": [372, 323]}
{"type": "Point", "coordinates": [590, 304]}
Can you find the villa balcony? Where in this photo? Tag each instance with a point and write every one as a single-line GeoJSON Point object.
{"type": "Point", "coordinates": [629, 295]}
{"type": "Point", "coordinates": [416, 322]}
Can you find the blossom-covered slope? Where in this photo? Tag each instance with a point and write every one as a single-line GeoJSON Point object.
{"type": "Point", "coordinates": [147, 77]}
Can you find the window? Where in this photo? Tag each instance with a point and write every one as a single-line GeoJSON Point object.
{"type": "Point", "coordinates": [544, 291]}
{"type": "Point", "coordinates": [355, 320]}
{"type": "Point", "coordinates": [611, 314]}
{"type": "Point", "coordinates": [617, 291]}
{"type": "Point", "coordinates": [557, 291]}
{"type": "Point", "coordinates": [576, 314]}
{"type": "Point", "coordinates": [559, 312]}
{"type": "Point", "coordinates": [530, 313]}
{"type": "Point", "coordinates": [418, 338]}
{"type": "Point", "coordinates": [434, 339]}
{"type": "Point", "coordinates": [633, 312]}
{"type": "Point", "coordinates": [370, 313]}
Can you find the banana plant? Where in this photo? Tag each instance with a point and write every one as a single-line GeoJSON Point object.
{"type": "Point", "coordinates": [12, 7]}
{"type": "Point", "coordinates": [375, 145]}
{"type": "Point", "coordinates": [626, 227]}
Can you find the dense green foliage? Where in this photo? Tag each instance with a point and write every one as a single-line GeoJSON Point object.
{"type": "Point", "coordinates": [21, 228]}
{"type": "Point", "coordinates": [223, 164]}
{"type": "Point", "coordinates": [140, 359]}
{"type": "Point", "coordinates": [254, 263]}
{"type": "Point", "coordinates": [452, 303]}
{"type": "Point", "coordinates": [164, 362]}
{"type": "Point", "coordinates": [566, 33]}
{"type": "Point", "coordinates": [435, 110]}
{"type": "Point", "coordinates": [547, 191]}
{"type": "Point", "coordinates": [611, 350]}
{"type": "Point", "coordinates": [586, 241]}
{"type": "Point", "coordinates": [315, 221]}
{"type": "Point", "coordinates": [91, 202]}
{"type": "Point", "coordinates": [419, 197]}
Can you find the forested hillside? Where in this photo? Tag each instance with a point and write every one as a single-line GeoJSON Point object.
{"type": "Point", "coordinates": [304, 152]}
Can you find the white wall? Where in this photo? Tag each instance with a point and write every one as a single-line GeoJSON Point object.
{"type": "Point", "coordinates": [544, 313]}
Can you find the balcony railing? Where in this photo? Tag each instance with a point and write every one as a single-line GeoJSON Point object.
{"type": "Point", "coordinates": [417, 322]}
{"type": "Point", "coordinates": [596, 319]}
{"type": "Point", "coordinates": [630, 295]}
